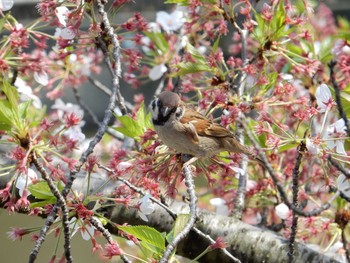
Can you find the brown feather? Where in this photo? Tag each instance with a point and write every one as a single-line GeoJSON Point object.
{"type": "Point", "coordinates": [203, 125]}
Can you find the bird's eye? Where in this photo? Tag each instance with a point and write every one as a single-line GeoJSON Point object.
{"type": "Point", "coordinates": [179, 112]}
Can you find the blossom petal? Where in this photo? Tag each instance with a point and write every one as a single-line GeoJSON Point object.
{"type": "Point", "coordinates": [157, 72]}
{"type": "Point", "coordinates": [282, 211]}
{"type": "Point", "coordinates": [340, 147]}
{"type": "Point", "coordinates": [6, 5]}
{"type": "Point", "coordinates": [323, 95]}
{"type": "Point", "coordinates": [41, 77]}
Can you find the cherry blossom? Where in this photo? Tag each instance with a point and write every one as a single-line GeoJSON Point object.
{"type": "Point", "coordinates": [220, 205]}
{"type": "Point", "coordinates": [170, 22]}
{"type": "Point", "coordinates": [24, 180]}
{"type": "Point", "coordinates": [111, 250]}
{"type": "Point", "coordinates": [67, 33]}
{"type": "Point", "coordinates": [343, 185]}
{"type": "Point", "coordinates": [86, 230]}
{"type": "Point", "coordinates": [146, 207]}
{"type": "Point", "coordinates": [324, 98]}
{"type": "Point", "coordinates": [6, 5]}
{"type": "Point", "coordinates": [157, 72]}
{"type": "Point", "coordinates": [282, 211]}
{"type": "Point", "coordinates": [26, 93]}
{"type": "Point", "coordinates": [312, 147]}
{"type": "Point", "coordinates": [336, 130]}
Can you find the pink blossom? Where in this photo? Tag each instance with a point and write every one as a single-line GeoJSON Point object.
{"type": "Point", "coordinates": [112, 249]}
{"type": "Point", "coordinates": [17, 233]}
{"type": "Point", "coordinates": [6, 192]}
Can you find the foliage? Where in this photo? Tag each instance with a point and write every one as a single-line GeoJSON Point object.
{"type": "Point", "coordinates": [276, 68]}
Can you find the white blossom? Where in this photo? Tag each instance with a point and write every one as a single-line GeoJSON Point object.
{"type": "Point", "coordinates": [343, 185]}
{"type": "Point", "coordinates": [61, 13]}
{"type": "Point", "coordinates": [6, 5]}
{"type": "Point", "coordinates": [41, 77]}
{"type": "Point", "coordinates": [312, 147]}
{"type": "Point", "coordinates": [336, 130]}
{"type": "Point", "coordinates": [324, 98]}
{"type": "Point", "coordinates": [87, 230]}
{"type": "Point", "coordinates": [170, 22]}
{"type": "Point", "coordinates": [24, 180]}
{"type": "Point", "coordinates": [157, 72]}
{"type": "Point", "coordinates": [220, 205]}
{"type": "Point", "coordinates": [282, 211]}
{"type": "Point", "coordinates": [146, 207]}
{"type": "Point", "coordinates": [26, 93]}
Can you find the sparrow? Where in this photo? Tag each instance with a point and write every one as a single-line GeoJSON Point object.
{"type": "Point", "coordinates": [188, 132]}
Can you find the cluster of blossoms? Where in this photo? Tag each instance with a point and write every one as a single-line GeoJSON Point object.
{"type": "Point", "coordinates": [274, 73]}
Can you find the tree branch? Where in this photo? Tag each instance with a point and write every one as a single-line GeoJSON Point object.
{"type": "Point", "coordinates": [193, 214]}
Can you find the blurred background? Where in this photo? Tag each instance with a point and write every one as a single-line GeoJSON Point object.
{"type": "Point", "coordinates": [25, 12]}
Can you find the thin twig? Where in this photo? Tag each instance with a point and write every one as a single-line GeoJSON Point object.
{"type": "Point", "coordinates": [295, 189]}
{"type": "Point", "coordinates": [212, 241]}
{"type": "Point", "coordinates": [345, 244]}
{"type": "Point", "coordinates": [98, 225]}
{"type": "Point", "coordinates": [93, 116]}
{"type": "Point", "coordinates": [338, 167]}
{"type": "Point", "coordinates": [337, 98]}
{"type": "Point", "coordinates": [193, 215]}
{"type": "Point", "coordinates": [115, 53]}
{"type": "Point", "coordinates": [139, 190]}
{"type": "Point", "coordinates": [62, 204]}
{"type": "Point", "coordinates": [97, 84]}
{"type": "Point", "coordinates": [243, 177]}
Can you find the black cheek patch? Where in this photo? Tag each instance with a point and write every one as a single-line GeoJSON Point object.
{"type": "Point", "coordinates": [161, 120]}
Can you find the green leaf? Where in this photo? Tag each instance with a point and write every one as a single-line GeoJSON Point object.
{"type": "Point", "coordinates": [159, 40]}
{"type": "Point", "coordinates": [49, 201]}
{"type": "Point", "coordinates": [180, 223]}
{"type": "Point", "coordinates": [195, 53]}
{"type": "Point", "coordinates": [23, 108]}
{"type": "Point", "coordinates": [287, 147]}
{"type": "Point", "coordinates": [3, 20]}
{"type": "Point", "coordinates": [11, 93]}
{"type": "Point", "coordinates": [150, 237]}
{"type": "Point", "coordinates": [6, 113]}
{"type": "Point", "coordinates": [130, 127]}
{"type": "Point", "coordinates": [41, 190]}
{"type": "Point", "coordinates": [190, 68]}
{"type": "Point", "coordinates": [216, 44]}
{"type": "Point", "coordinates": [135, 128]}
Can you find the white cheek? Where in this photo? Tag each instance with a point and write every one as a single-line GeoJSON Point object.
{"type": "Point", "coordinates": [155, 112]}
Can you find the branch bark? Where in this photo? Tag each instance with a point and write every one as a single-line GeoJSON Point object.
{"type": "Point", "coordinates": [245, 242]}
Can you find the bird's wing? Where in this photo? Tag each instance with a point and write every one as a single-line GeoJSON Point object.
{"type": "Point", "coordinates": [203, 126]}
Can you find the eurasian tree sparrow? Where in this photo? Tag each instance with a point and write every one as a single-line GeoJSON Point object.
{"type": "Point", "coordinates": [189, 132]}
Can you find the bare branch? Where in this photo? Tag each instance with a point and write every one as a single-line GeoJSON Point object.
{"type": "Point", "coordinates": [294, 226]}
{"type": "Point", "coordinates": [61, 202]}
